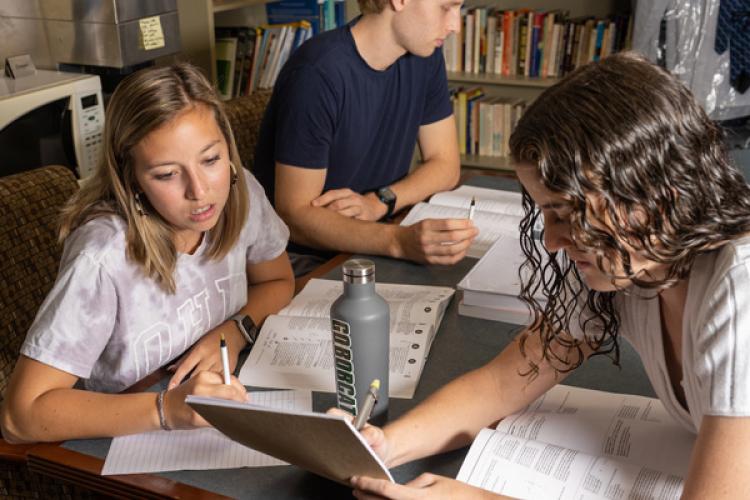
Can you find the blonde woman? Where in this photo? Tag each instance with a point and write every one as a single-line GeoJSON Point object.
{"type": "Point", "coordinates": [171, 244]}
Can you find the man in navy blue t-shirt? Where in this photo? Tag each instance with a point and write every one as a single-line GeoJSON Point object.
{"type": "Point", "coordinates": [338, 136]}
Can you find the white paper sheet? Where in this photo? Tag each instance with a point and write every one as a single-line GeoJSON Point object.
{"type": "Point", "coordinates": [197, 449]}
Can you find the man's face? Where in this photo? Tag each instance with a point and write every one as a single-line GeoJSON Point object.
{"type": "Point", "coordinates": [423, 25]}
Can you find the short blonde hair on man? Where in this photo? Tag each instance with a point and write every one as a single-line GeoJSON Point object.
{"type": "Point", "coordinates": [372, 6]}
{"type": "Point", "coordinates": [139, 105]}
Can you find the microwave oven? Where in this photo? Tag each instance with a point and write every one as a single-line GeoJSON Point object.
{"type": "Point", "coordinates": [51, 118]}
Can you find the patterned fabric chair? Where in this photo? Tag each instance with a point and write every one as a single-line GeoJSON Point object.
{"type": "Point", "coordinates": [245, 114]}
{"type": "Point", "coordinates": [29, 258]}
{"type": "Point", "coordinates": [29, 252]}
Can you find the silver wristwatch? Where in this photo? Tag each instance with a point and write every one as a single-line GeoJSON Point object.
{"type": "Point", "coordinates": [247, 327]}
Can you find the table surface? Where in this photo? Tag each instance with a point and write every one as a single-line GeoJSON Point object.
{"type": "Point", "coordinates": [461, 344]}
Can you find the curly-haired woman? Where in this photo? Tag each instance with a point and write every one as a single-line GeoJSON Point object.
{"type": "Point", "coordinates": [646, 237]}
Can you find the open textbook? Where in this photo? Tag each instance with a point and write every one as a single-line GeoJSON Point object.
{"type": "Point", "coordinates": [294, 347]}
{"type": "Point", "coordinates": [327, 445]}
{"type": "Point", "coordinates": [497, 212]}
{"type": "Point", "coordinates": [491, 287]}
{"type": "Point", "coordinates": [582, 444]}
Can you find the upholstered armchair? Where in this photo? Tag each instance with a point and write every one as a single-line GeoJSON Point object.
{"type": "Point", "coordinates": [29, 252]}
{"type": "Point", "coordinates": [245, 115]}
{"type": "Point", "coordinates": [29, 258]}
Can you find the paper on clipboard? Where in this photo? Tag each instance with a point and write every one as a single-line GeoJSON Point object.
{"type": "Point", "coordinates": [327, 445]}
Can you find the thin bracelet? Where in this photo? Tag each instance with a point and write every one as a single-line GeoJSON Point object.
{"type": "Point", "coordinates": [160, 410]}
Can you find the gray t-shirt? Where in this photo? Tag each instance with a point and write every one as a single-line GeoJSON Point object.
{"type": "Point", "coordinates": [106, 322]}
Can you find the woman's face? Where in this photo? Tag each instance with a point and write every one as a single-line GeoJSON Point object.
{"type": "Point", "coordinates": [557, 237]}
{"type": "Point", "coordinates": [183, 169]}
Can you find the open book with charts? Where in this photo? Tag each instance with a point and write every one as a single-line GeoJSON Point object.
{"type": "Point", "coordinates": [583, 444]}
{"type": "Point", "coordinates": [497, 212]}
{"type": "Point", "coordinates": [294, 348]}
{"type": "Point", "coordinates": [327, 445]}
{"type": "Point", "coordinates": [491, 287]}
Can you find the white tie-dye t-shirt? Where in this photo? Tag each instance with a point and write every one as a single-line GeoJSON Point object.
{"type": "Point", "coordinates": [105, 322]}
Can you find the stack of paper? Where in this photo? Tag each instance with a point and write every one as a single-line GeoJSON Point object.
{"type": "Point", "coordinates": [491, 287]}
{"type": "Point", "coordinates": [294, 349]}
{"type": "Point", "coordinates": [497, 213]}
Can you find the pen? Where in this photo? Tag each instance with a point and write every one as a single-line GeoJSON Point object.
{"type": "Point", "coordinates": [472, 207]}
{"type": "Point", "coordinates": [369, 403]}
{"type": "Point", "coordinates": [224, 359]}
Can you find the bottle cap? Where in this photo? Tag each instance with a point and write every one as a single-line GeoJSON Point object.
{"type": "Point", "coordinates": [358, 271]}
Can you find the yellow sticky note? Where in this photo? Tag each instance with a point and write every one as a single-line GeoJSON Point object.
{"type": "Point", "coordinates": [152, 36]}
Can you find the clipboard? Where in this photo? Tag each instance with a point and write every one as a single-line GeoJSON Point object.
{"type": "Point", "coordinates": [326, 445]}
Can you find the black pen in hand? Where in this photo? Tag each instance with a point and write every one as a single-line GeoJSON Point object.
{"type": "Point", "coordinates": [369, 403]}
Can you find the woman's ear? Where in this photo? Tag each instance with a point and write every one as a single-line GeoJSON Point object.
{"type": "Point", "coordinates": [399, 5]}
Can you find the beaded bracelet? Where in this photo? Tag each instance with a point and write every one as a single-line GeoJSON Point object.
{"type": "Point", "coordinates": [160, 410]}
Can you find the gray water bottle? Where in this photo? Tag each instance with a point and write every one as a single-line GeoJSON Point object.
{"type": "Point", "coordinates": [360, 324]}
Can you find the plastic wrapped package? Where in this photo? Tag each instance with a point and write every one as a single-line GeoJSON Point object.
{"type": "Point", "coordinates": [681, 35]}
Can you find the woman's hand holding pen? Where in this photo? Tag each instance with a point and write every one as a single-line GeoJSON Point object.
{"type": "Point", "coordinates": [205, 354]}
{"type": "Point", "coordinates": [425, 486]}
{"type": "Point", "coordinates": [205, 383]}
{"type": "Point", "coordinates": [374, 436]}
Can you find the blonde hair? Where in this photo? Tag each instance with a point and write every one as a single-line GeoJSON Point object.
{"type": "Point", "coordinates": [372, 6]}
{"type": "Point", "coordinates": [140, 104]}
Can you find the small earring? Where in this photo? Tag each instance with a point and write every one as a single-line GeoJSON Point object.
{"type": "Point", "coordinates": [235, 176]}
{"type": "Point", "coordinates": [138, 205]}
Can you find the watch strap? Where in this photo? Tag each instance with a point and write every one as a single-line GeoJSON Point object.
{"type": "Point", "coordinates": [247, 327]}
{"type": "Point", "coordinates": [388, 198]}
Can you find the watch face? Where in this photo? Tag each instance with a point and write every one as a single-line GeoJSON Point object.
{"type": "Point", "coordinates": [247, 324]}
{"type": "Point", "coordinates": [386, 195]}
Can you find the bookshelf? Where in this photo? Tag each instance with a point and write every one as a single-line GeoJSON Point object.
{"type": "Point", "coordinates": [197, 23]}
{"type": "Point", "coordinates": [520, 86]}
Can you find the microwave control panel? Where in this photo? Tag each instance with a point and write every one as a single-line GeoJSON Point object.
{"type": "Point", "coordinates": [89, 123]}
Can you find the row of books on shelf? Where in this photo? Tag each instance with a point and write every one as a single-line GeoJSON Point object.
{"type": "Point", "coordinates": [531, 43]}
{"type": "Point", "coordinates": [484, 123]}
{"type": "Point", "coordinates": [323, 15]}
{"type": "Point", "coordinates": [250, 58]}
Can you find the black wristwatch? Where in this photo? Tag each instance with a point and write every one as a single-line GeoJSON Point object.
{"type": "Point", "coordinates": [247, 327]}
{"type": "Point", "coordinates": [388, 197]}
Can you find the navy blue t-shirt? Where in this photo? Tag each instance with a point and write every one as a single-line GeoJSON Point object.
{"type": "Point", "coordinates": [329, 109]}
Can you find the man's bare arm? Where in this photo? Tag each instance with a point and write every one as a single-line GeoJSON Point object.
{"type": "Point", "coordinates": [321, 227]}
{"type": "Point", "coordinates": [441, 166]}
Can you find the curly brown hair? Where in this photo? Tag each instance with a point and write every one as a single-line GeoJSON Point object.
{"type": "Point", "coordinates": [626, 132]}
